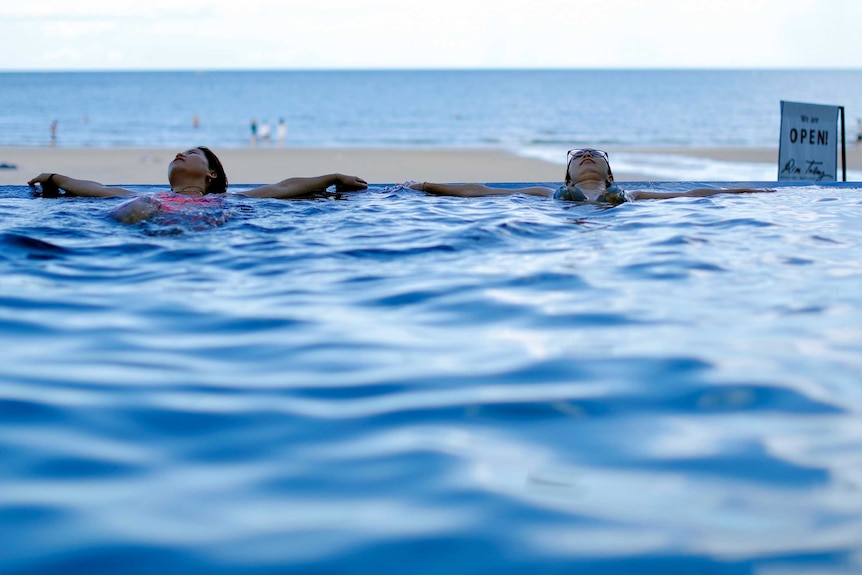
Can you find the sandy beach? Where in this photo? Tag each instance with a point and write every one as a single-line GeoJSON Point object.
{"type": "Point", "coordinates": [267, 165]}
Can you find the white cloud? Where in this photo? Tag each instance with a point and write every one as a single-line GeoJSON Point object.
{"type": "Point", "coordinates": [74, 31]}
{"type": "Point", "coordinates": [102, 9]}
{"type": "Point", "coordinates": [199, 34]}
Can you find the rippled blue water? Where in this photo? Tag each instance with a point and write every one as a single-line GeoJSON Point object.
{"type": "Point", "coordinates": [390, 382]}
{"type": "Point", "coordinates": [522, 110]}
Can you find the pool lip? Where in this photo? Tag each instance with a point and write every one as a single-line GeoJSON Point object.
{"type": "Point", "coordinates": [626, 185]}
{"type": "Point", "coordinates": [631, 185]}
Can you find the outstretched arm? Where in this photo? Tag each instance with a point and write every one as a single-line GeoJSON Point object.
{"type": "Point", "coordinates": [52, 182]}
{"type": "Point", "coordinates": [477, 190]}
{"type": "Point", "coordinates": [695, 193]}
{"type": "Point", "coordinates": [293, 187]}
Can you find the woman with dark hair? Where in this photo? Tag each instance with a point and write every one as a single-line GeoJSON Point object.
{"type": "Point", "coordinates": [193, 175]}
{"type": "Point", "coordinates": [588, 179]}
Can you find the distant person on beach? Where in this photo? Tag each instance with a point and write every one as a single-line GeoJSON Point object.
{"type": "Point", "coordinates": [281, 132]}
{"type": "Point", "coordinates": [196, 176]}
{"type": "Point", "coordinates": [253, 141]}
{"type": "Point", "coordinates": [54, 133]}
{"type": "Point", "coordinates": [264, 131]}
{"type": "Point", "coordinates": [196, 122]}
{"type": "Point", "coordinates": [858, 132]}
{"type": "Point", "coordinates": [588, 179]}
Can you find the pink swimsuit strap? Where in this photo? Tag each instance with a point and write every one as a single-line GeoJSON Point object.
{"type": "Point", "coordinates": [173, 202]}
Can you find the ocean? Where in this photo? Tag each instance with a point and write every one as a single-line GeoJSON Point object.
{"type": "Point", "coordinates": [387, 381]}
{"type": "Point", "coordinates": [534, 113]}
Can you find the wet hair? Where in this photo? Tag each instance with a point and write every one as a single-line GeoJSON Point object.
{"type": "Point", "coordinates": [218, 185]}
{"type": "Point", "coordinates": [608, 182]}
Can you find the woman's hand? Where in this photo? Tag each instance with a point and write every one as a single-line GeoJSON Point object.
{"type": "Point", "coordinates": [345, 183]}
{"type": "Point", "coordinates": [50, 188]}
{"type": "Point", "coordinates": [41, 179]}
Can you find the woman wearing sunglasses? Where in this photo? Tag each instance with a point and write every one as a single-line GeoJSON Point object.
{"type": "Point", "coordinates": [588, 179]}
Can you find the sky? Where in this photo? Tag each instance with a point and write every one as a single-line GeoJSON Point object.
{"type": "Point", "coordinates": [60, 35]}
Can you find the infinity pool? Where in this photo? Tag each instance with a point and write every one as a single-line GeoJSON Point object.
{"type": "Point", "coordinates": [389, 382]}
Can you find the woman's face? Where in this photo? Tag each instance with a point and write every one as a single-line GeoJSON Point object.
{"type": "Point", "coordinates": [191, 163]}
{"type": "Point", "coordinates": [588, 165]}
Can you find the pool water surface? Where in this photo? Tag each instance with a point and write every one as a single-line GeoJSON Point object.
{"type": "Point", "coordinates": [388, 381]}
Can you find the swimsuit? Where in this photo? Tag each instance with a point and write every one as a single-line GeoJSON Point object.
{"type": "Point", "coordinates": [181, 212]}
{"type": "Point", "coordinates": [173, 202]}
{"type": "Point", "coordinates": [613, 195]}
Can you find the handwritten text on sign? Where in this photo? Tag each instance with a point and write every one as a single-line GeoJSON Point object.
{"type": "Point", "coordinates": [808, 142]}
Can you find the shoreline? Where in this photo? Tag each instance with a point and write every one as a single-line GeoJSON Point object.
{"type": "Point", "coordinates": [148, 166]}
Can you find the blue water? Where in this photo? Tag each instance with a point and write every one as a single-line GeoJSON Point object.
{"type": "Point", "coordinates": [535, 113]}
{"type": "Point", "coordinates": [387, 382]}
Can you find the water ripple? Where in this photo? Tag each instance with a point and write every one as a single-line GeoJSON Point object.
{"type": "Point", "coordinates": [347, 383]}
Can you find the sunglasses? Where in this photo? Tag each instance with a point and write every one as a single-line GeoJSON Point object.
{"type": "Point", "coordinates": [581, 152]}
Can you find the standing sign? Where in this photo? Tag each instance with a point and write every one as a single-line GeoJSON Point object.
{"type": "Point", "coordinates": [809, 142]}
